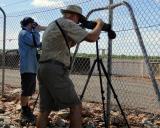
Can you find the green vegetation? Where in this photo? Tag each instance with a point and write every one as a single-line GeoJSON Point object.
{"type": "Point", "coordinates": [128, 57]}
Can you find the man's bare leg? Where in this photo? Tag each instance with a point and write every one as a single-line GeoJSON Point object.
{"type": "Point", "coordinates": [42, 120]}
{"type": "Point", "coordinates": [75, 116]}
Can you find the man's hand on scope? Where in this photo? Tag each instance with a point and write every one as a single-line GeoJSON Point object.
{"type": "Point", "coordinates": [111, 33]}
{"type": "Point", "coordinates": [100, 22]}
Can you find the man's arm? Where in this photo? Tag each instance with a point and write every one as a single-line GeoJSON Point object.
{"type": "Point", "coordinates": [41, 28]}
{"type": "Point", "coordinates": [36, 39]}
{"type": "Point", "coordinates": [31, 41]}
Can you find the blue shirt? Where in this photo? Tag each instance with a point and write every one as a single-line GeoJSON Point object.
{"type": "Point", "coordinates": [28, 50]}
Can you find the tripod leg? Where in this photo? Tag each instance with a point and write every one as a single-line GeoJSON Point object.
{"type": "Point", "coordinates": [35, 102]}
{"type": "Point", "coordinates": [102, 93]}
{"type": "Point", "coordinates": [115, 95]}
{"type": "Point", "coordinates": [89, 76]}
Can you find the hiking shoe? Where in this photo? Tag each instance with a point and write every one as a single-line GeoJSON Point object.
{"type": "Point", "coordinates": [30, 114]}
{"type": "Point", "coordinates": [27, 117]}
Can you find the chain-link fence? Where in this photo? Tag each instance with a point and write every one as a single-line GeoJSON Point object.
{"type": "Point", "coordinates": [130, 77]}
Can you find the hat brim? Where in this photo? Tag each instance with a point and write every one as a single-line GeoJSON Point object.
{"type": "Point", "coordinates": [68, 11]}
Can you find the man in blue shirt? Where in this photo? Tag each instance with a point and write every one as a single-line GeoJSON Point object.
{"type": "Point", "coordinates": [28, 41]}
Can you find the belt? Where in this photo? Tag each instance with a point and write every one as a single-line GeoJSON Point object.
{"type": "Point", "coordinates": [52, 61]}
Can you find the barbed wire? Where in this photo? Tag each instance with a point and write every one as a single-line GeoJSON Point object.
{"type": "Point", "coordinates": [150, 26]}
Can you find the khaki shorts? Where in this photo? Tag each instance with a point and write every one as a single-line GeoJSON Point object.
{"type": "Point", "coordinates": [56, 89]}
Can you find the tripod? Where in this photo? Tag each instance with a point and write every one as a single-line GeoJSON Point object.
{"type": "Point", "coordinates": [99, 62]}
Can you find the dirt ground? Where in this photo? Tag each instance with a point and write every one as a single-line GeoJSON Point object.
{"type": "Point", "coordinates": [136, 96]}
{"type": "Point", "coordinates": [92, 114]}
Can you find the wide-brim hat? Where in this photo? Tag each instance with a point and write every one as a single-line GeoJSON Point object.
{"type": "Point", "coordinates": [74, 9]}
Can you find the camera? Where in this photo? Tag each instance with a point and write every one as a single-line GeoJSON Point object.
{"type": "Point", "coordinates": [92, 24]}
{"type": "Point", "coordinates": [34, 25]}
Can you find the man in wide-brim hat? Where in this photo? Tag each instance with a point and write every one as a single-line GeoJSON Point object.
{"type": "Point", "coordinates": [56, 88]}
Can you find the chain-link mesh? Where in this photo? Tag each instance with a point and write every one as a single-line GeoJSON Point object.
{"type": "Point", "coordinates": [130, 77]}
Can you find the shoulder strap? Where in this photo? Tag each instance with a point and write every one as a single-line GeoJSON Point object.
{"type": "Point", "coordinates": [65, 38]}
{"type": "Point", "coordinates": [34, 40]}
{"type": "Point", "coordinates": [64, 35]}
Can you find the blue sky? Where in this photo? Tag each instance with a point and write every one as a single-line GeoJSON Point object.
{"type": "Point", "coordinates": [147, 13]}
{"type": "Point", "coordinates": [20, 5]}
{"type": "Point", "coordinates": [11, 6]}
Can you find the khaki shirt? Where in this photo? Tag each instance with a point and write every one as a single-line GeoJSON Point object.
{"type": "Point", "coordinates": [53, 42]}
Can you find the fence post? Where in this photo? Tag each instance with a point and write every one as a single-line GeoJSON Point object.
{"type": "Point", "coordinates": [3, 55]}
{"type": "Point", "coordinates": [109, 65]}
{"type": "Point", "coordinates": [149, 67]}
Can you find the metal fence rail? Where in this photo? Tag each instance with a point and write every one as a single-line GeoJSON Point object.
{"type": "Point", "coordinates": [130, 77]}
{"type": "Point", "coordinates": [4, 44]}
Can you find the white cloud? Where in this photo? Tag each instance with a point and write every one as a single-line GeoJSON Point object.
{"type": "Point", "coordinates": [157, 1]}
{"type": "Point", "coordinates": [47, 3]}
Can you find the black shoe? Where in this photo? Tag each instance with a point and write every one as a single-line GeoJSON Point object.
{"type": "Point", "coordinates": [30, 114]}
{"type": "Point", "coordinates": [24, 120]}
{"type": "Point", "coordinates": [27, 117]}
